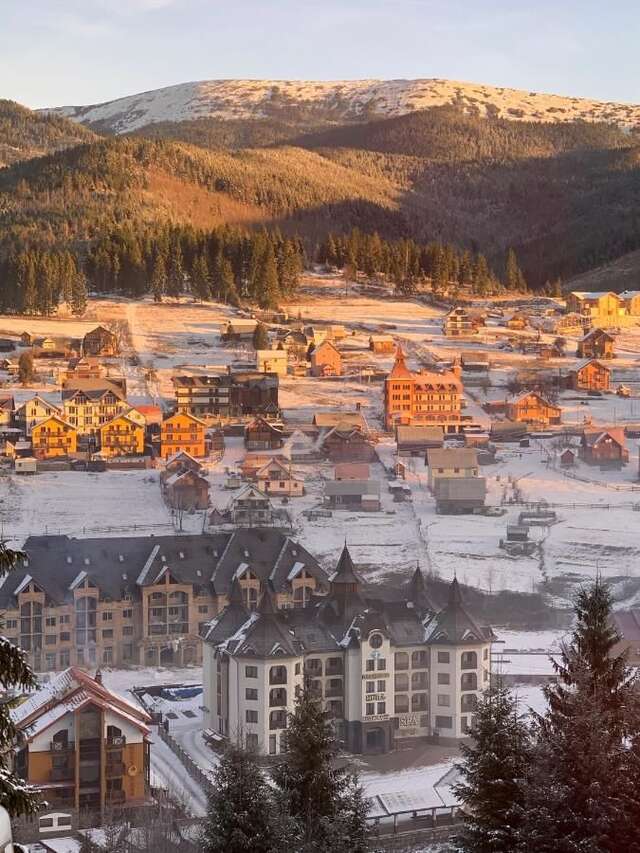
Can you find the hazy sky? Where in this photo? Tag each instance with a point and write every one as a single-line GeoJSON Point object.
{"type": "Point", "coordinates": [55, 52]}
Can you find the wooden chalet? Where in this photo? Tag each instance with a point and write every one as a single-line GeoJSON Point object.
{"type": "Point", "coordinates": [604, 447]}
{"type": "Point", "coordinates": [344, 443]}
{"type": "Point", "coordinates": [326, 360]}
{"type": "Point", "coordinates": [532, 407]}
{"type": "Point", "coordinates": [261, 434]}
{"type": "Point", "coordinates": [187, 490]}
{"type": "Point", "coordinates": [100, 342]}
{"type": "Point", "coordinates": [590, 375]}
{"type": "Point", "coordinates": [596, 344]}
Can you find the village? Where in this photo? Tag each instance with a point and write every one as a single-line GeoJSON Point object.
{"type": "Point", "coordinates": [190, 481]}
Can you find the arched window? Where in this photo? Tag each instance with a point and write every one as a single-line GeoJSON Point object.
{"type": "Point", "coordinates": [278, 675]}
{"type": "Point", "coordinates": [301, 595]}
{"type": "Point", "coordinates": [278, 720]}
{"type": "Point", "coordinates": [277, 697]}
{"type": "Point", "coordinates": [468, 703]}
{"type": "Point", "coordinates": [469, 681]}
{"type": "Point", "coordinates": [469, 660]}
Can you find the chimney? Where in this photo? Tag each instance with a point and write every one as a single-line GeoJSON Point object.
{"type": "Point", "coordinates": [98, 678]}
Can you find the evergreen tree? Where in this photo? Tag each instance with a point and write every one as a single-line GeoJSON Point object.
{"type": "Point", "coordinates": [79, 293]}
{"type": "Point", "coordinates": [260, 337]}
{"type": "Point", "coordinates": [514, 279]}
{"type": "Point", "coordinates": [324, 800]}
{"type": "Point", "coordinates": [201, 278]}
{"type": "Point", "coordinates": [493, 766]}
{"type": "Point", "coordinates": [15, 795]}
{"type": "Point", "coordinates": [159, 278]}
{"type": "Point", "coordinates": [268, 289]}
{"type": "Point", "coordinates": [175, 271]}
{"type": "Point", "coordinates": [242, 816]}
{"type": "Point", "coordinates": [581, 793]}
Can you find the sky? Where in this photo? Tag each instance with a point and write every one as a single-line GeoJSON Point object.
{"type": "Point", "coordinates": [55, 52]}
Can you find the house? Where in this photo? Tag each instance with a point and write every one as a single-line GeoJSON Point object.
{"type": "Point", "coordinates": [475, 361]}
{"type": "Point", "coordinates": [296, 344]}
{"type": "Point", "coordinates": [605, 447]}
{"type": "Point", "coordinates": [459, 323]}
{"type": "Point", "coordinates": [100, 341]}
{"type": "Point", "coordinates": [54, 437]}
{"type": "Point", "coordinates": [353, 494]}
{"type": "Point", "coordinates": [451, 462]}
{"type": "Point", "coordinates": [230, 395]}
{"type": "Point", "coordinates": [84, 747]}
{"type": "Point", "coordinates": [326, 360]}
{"type": "Point", "coordinates": [416, 440]}
{"type": "Point", "coordinates": [382, 344]}
{"type": "Point", "coordinates": [180, 462]}
{"type": "Point", "coordinates": [316, 335]}
{"type": "Point", "coordinates": [507, 431]}
{"type": "Point", "coordinates": [457, 495]}
{"type": "Point", "coordinates": [261, 434]}
{"type": "Point", "coordinates": [87, 367]}
{"type": "Point", "coordinates": [15, 448]}
{"type": "Point", "coordinates": [595, 344]}
{"type": "Point", "coordinates": [330, 420]}
{"type": "Point", "coordinates": [427, 398]}
{"type": "Point", "coordinates": [122, 436]}
{"type": "Point", "coordinates": [142, 600]}
{"type": "Point", "coordinates": [601, 308]}
{"type": "Point", "coordinates": [567, 458]}
{"type": "Point", "coordinates": [300, 447]}
{"type": "Point", "coordinates": [7, 345]}
{"type": "Point", "coordinates": [275, 479]}
{"type": "Point", "coordinates": [344, 443]}
{"type": "Point", "coordinates": [337, 332]}
{"type": "Point", "coordinates": [186, 490]}
{"type": "Point", "coordinates": [182, 431]}
{"type": "Point", "coordinates": [87, 404]}
{"type": "Point", "coordinates": [591, 375]}
{"type": "Point", "coordinates": [238, 330]}
{"type": "Point", "coordinates": [631, 301]}
{"type": "Point", "coordinates": [152, 416]}
{"type": "Point", "coordinates": [272, 361]}
{"type": "Point", "coordinates": [343, 642]}
{"type": "Point", "coordinates": [49, 347]}
{"type": "Point", "coordinates": [351, 471]}
{"type": "Point", "coordinates": [35, 410]}
{"type": "Point", "coordinates": [10, 366]}
{"type": "Point", "coordinates": [531, 407]}
{"type": "Point", "coordinates": [251, 508]}
{"type": "Point", "coordinates": [27, 339]}
{"type": "Point", "coordinates": [7, 409]}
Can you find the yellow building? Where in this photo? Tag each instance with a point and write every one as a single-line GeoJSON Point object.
{"type": "Point", "coordinates": [603, 308]}
{"type": "Point", "coordinates": [53, 437]}
{"type": "Point", "coordinates": [182, 431]}
{"type": "Point", "coordinates": [122, 436]}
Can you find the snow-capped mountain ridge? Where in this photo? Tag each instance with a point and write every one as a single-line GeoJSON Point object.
{"type": "Point", "coordinates": [338, 101]}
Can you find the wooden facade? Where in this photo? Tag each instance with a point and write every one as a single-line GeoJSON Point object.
{"type": "Point", "coordinates": [326, 360]}
{"type": "Point", "coordinates": [100, 341]}
{"type": "Point", "coordinates": [590, 376]}
{"type": "Point", "coordinates": [122, 437]}
{"type": "Point", "coordinates": [595, 344]}
{"type": "Point", "coordinates": [532, 407]}
{"type": "Point", "coordinates": [182, 432]}
{"type": "Point", "coordinates": [54, 437]}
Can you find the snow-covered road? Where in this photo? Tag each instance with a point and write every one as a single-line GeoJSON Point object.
{"type": "Point", "coordinates": [172, 774]}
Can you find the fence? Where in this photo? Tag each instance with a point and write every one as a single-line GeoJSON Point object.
{"type": "Point", "coordinates": [196, 772]}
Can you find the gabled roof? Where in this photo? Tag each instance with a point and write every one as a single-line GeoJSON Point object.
{"type": "Point", "coordinates": [187, 415]}
{"type": "Point", "coordinates": [43, 400]}
{"type": "Point", "coordinates": [93, 389]}
{"type": "Point", "coordinates": [121, 417]}
{"type": "Point", "coordinates": [265, 634]}
{"type": "Point", "coordinates": [537, 395]}
{"type": "Point", "coordinates": [400, 369]}
{"type": "Point", "coordinates": [452, 457]}
{"type": "Point", "coordinates": [323, 345]}
{"type": "Point", "coordinates": [277, 463]}
{"type": "Point", "coordinates": [597, 333]}
{"type": "Point", "coordinates": [67, 692]}
{"type": "Point", "coordinates": [594, 435]}
{"type": "Point", "coordinates": [588, 361]}
{"type": "Point", "coordinates": [410, 434]}
{"type": "Point", "coordinates": [57, 419]}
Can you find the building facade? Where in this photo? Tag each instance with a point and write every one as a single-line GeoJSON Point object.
{"type": "Point", "coordinates": [89, 403]}
{"type": "Point", "coordinates": [182, 432]}
{"type": "Point", "coordinates": [122, 436]}
{"type": "Point", "coordinates": [427, 398]}
{"type": "Point", "coordinates": [326, 360]}
{"type": "Point", "coordinates": [229, 395]}
{"type": "Point", "coordinates": [53, 437]}
{"type": "Point", "coordinates": [100, 341]}
{"type": "Point", "coordinates": [590, 376]}
{"type": "Point", "coordinates": [532, 408]}
{"type": "Point", "coordinates": [390, 673]}
{"type": "Point", "coordinates": [595, 344]}
{"type": "Point", "coordinates": [82, 746]}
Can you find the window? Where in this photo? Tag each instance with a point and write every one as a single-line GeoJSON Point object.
{"type": "Point", "coordinates": [50, 640]}
{"type": "Point", "coordinates": [107, 655]}
{"type": "Point", "coordinates": [371, 687]}
{"type": "Point", "coordinates": [469, 681]}
{"type": "Point", "coordinates": [444, 678]}
{"type": "Point", "coordinates": [203, 608]}
{"type": "Point", "coordinates": [31, 626]}
{"type": "Point", "coordinates": [444, 700]}
{"type": "Point", "coordinates": [50, 621]}
{"type": "Point", "coordinates": [251, 694]}
{"type": "Point", "coordinates": [469, 660]}
{"type": "Point", "coordinates": [65, 637]}
{"type": "Point", "coordinates": [107, 616]}
{"type": "Point", "coordinates": [375, 641]}
{"type": "Point", "coordinates": [401, 660]}
{"type": "Point", "coordinates": [65, 620]}
{"type": "Point", "coordinates": [50, 661]}
{"type": "Point", "coordinates": [252, 742]}
{"type": "Point", "coordinates": [369, 709]}
{"type": "Point", "coordinates": [419, 660]}
{"type": "Point", "coordinates": [314, 666]}
{"type": "Point", "coordinates": [401, 681]}
{"type": "Point", "coordinates": [297, 669]}
{"type": "Point", "coordinates": [64, 659]}
{"type": "Point", "coordinates": [401, 704]}
{"type": "Point", "coordinates": [444, 722]}
{"type": "Point", "coordinates": [371, 665]}
{"type": "Point", "coordinates": [382, 664]}
{"type": "Point", "coordinates": [107, 634]}
{"type": "Point", "coordinates": [382, 707]}
{"type": "Point", "coordinates": [12, 623]}
{"type": "Point", "coordinates": [86, 620]}
{"type": "Point", "coordinates": [419, 681]}
{"type": "Point", "coordinates": [382, 686]}
{"type": "Point", "coordinates": [443, 657]}
{"type": "Point", "coordinates": [127, 614]}
{"type": "Point", "coordinates": [419, 702]}
{"type": "Point", "coordinates": [251, 671]}
{"type": "Point", "coordinates": [127, 630]}
{"type": "Point", "coordinates": [272, 744]}
{"type": "Point", "coordinates": [251, 716]}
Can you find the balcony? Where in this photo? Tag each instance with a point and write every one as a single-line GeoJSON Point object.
{"type": "Point", "coordinates": [62, 774]}
{"type": "Point", "coordinates": [115, 769]}
{"type": "Point", "coordinates": [334, 691]}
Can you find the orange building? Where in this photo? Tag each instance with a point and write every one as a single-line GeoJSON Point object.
{"type": "Point", "coordinates": [531, 407]}
{"type": "Point", "coordinates": [83, 746]}
{"type": "Point", "coordinates": [182, 431]}
{"type": "Point", "coordinates": [425, 398]}
{"type": "Point", "coordinates": [326, 360]}
{"type": "Point", "coordinates": [122, 436]}
{"type": "Point", "coordinates": [53, 437]}
{"type": "Point", "coordinates": [590, 376]}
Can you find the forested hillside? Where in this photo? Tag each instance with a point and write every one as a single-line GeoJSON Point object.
{"type": "Point", "coordinates": [25, 134]}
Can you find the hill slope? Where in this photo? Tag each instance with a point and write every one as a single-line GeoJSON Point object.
{"type": "Point", "coordinates": [25, 134]}
{"type": "Point", "coordinates": [340, 101]}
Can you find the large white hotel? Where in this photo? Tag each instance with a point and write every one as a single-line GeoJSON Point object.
{"type": "Point", "coordinates": [388, 670]}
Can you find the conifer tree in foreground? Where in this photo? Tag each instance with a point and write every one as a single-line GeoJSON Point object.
{"type": "Point", "coordinates": [260, 337]}
{"type": "Point", "coordinates": [15, 795]}
{"type": "Point", "coordinates": [492, 768]}
{"type": "Point", "coordinates": [242, 816]}
{"type": "Point", "coordinates": [325, 801]}
{"type": "Point", "coordinates": [582, 793]}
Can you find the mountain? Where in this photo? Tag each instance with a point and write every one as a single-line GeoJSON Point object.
{"type": "Point", "coordinates": [25, 134]}
{"type": "Point", "coordinates": [337, 102]}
